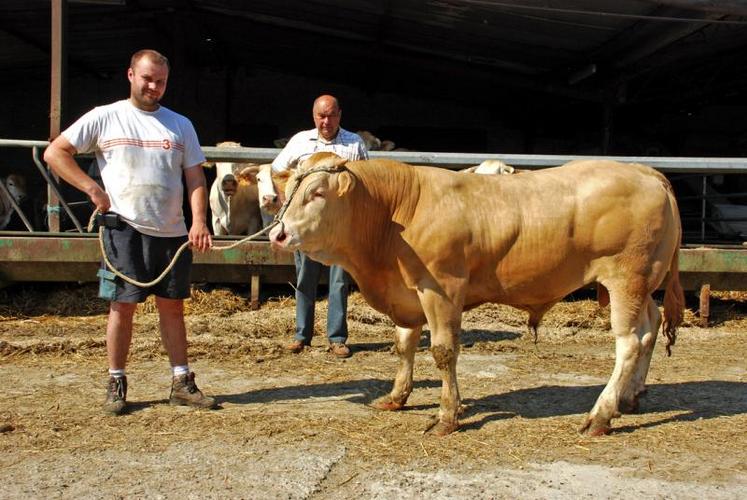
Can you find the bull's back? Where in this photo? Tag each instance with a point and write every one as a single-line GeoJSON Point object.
{"type": "Point", "coordinates": [537, 236]}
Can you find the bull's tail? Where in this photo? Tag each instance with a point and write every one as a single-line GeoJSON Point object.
{"type": "Point", "coordinates": [674, 303]}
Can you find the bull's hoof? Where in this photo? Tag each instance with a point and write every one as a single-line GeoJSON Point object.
{"type": "Point", "coordinates": [388, 405]}
{"type": "Point", "coordinates": [598, 431]}
{"type": "Point", "coordinates": [442, 429]}
{"type": "Point", "coordinates": [594, 429]}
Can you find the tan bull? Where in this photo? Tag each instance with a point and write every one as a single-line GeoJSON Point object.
{"type": "Point", "coordinates": [424, 244]}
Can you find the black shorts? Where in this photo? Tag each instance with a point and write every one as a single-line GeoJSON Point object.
{"type": "Point", "coordinates": [143, 258]}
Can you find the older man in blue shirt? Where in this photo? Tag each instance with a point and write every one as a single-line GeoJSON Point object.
{"type": "Point", "coordinates": [326, 136]}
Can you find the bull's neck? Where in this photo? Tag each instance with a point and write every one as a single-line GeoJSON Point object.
{"type": "Point", "coordinates": [390, 190]}
{"type": "Point", "coordinates": [382, 205]}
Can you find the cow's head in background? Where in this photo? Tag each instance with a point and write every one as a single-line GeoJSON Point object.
{"type": "Point", "coordinates": [272, 188]}
{"type": "Point", "coordinates": [16, 185]}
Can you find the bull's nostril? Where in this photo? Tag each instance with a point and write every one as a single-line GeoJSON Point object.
{"type": "Point", "coordinates": [280, 236]}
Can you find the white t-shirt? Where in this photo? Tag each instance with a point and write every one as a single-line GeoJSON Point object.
{"type": "Point", "coordinates": [141, 156]}
{"type": "Point", "coordinates": [345, 145]}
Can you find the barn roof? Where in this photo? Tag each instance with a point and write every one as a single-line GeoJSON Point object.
{"type": "Point", "coordinates": [617, 51]}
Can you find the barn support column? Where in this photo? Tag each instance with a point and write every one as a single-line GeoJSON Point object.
{"type": "Point", "coordinates": [58, 78]}
{"type": "Point", "coordinates": [705, 304]}
{"type": "Point", "coordinates": [254, 291]}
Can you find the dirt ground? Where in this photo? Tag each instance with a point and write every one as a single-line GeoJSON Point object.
{"type": "Point", "coordinates": [301, 426]}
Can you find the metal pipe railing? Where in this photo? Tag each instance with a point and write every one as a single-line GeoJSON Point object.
{"type": "Point", "coordinates": [51, 183]}
{"type": "Point", "coordinates": [677, 168]}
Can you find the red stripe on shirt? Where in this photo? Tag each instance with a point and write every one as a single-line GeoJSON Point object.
{"type": "Point", "coordinates": [126, 141]}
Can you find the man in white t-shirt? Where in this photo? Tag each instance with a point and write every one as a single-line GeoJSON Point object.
{"type": "Point", "coordinates": [327, 136]}
{"type": "Point", "coordinates": [143, 150]}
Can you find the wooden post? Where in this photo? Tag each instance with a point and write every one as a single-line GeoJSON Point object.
{"type": "Point", "coordinates": [705, 304]}
{"type": "Point", "coordinates": [59, 70]}
{"type": "Point", "coordinates": [254, 292]}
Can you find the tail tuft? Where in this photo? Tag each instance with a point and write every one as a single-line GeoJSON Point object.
{"type": "Point", "coordinates": [674, 304]}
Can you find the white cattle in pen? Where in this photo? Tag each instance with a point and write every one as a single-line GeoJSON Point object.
{"type": "Point", "coordinates": [373, 143]}
{"type": "Point", "coordinates": [16, 187]}
{"type": "Point", "coordinates": [234, 197]}
{"type": "Point", "coordinates": [491, 167]}
{"type": "Point", "coordinates": [268, 197]}
{"type": "Point", "coordinates": [271, 190]}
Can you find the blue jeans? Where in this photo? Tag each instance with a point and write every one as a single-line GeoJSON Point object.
{"type": "Point", "coordinates": [308, 273]}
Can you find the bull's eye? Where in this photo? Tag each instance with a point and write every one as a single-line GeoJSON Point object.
{"type": "Point", "coordinates": [318, 194]}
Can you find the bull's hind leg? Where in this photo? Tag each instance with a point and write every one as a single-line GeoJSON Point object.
{"type": "Point", "coordinates": [629, 311]}
{"type": "Point", "coordinates": [651, 321]}
{"type": "Point", "coordinates": [406, 343]}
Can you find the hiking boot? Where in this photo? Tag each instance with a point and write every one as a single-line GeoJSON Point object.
{"type": "Point", "coordinates": [296, 347]}
{"type": "Point", "coordinates": [184, 391]}
{"type": "Point", "coordinates": [340, 350]}
{"type": "Point", "coordinates": [116, 396]}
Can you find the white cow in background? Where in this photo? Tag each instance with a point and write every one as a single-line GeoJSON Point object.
{"type": "Point", "coordinates": [16, 186]}
{"type": "Point", "coordinates": [373, 143]}
{"type": "Point", "coordinates": [491, 167]}
{"type": "Point", "coordinates": [272, 190]}
{"type": "Point", "coordinates": [234, 197]}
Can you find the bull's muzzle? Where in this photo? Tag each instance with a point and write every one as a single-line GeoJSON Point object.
{"type": "Point", "coordinates": [278, 236]}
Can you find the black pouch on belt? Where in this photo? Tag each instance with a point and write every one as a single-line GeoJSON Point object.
{"type": "Point", "coordinates": [109, 219]}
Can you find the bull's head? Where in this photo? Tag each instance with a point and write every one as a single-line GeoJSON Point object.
{"type": "Point", "coordinates": [314, 207]}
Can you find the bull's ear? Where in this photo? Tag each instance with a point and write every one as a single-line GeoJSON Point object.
{"type": "Point", "coordinates": [345, 183]}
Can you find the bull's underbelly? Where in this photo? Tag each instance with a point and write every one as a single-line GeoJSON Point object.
{"type": "Point", "coordinates": [393, 297]}
{"type": "Point", "coordinates": [536, 290]}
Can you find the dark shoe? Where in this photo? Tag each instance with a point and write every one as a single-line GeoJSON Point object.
{"type": "Point", "coordinates": [116, 396]}
{"type": "Point", "coordinates": [184, 391]}
{"type": "Point", "coordinates": [296, 347]}
{"type": "Point", "coordinates": [340, 350]}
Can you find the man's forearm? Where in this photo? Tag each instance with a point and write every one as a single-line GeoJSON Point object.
{"type": "Point", "coordinates": [64, 165]}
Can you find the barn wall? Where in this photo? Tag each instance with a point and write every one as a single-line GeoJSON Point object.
{"type": "Point", "coordinates": [255, 106]}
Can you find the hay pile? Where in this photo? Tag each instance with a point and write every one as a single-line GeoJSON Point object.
{"type": "Point", "coordinates": [51, 299]}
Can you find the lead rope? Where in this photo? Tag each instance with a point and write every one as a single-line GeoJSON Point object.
{"type": "Point", "coordinates": [181, 249]}
{"type": "Point", "coordinates": [298, 178]}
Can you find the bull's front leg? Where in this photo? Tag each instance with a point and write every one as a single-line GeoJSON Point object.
{"type": "Point", "coordinates": [445, 321]}
{"type": "Point", "coordinates": [406, 344]}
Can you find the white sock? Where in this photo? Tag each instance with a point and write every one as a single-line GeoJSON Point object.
{"type": "Point", "coordinates": [117, 373]}
{"type": "Point", "coordinates": [180, 370]}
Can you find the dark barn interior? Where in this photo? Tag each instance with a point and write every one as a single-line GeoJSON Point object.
{"type": "Point", "coordinates": [589, 77]}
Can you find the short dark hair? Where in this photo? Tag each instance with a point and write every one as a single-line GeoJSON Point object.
{"type": "Point", "coordinates": [151, 54]}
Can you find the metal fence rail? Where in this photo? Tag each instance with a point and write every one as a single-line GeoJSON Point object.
{"type": "Point", "coordinates": [66, 256]}
{"type": "Point", "coordinates": [695, 172]}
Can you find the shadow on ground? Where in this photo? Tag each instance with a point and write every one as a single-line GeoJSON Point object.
{"type": "Point", "coordinates": [695, 400]}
